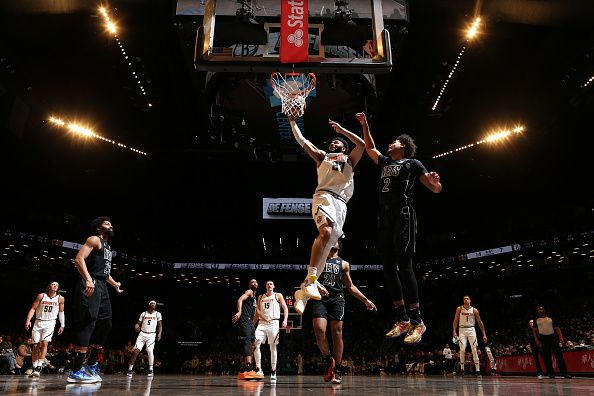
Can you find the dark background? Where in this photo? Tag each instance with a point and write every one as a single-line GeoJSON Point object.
{"type": "Point", "coordinates": [197, 197]}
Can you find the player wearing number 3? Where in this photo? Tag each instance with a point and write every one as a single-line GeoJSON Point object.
{"type": "Point", "coordinates": [397, 227]}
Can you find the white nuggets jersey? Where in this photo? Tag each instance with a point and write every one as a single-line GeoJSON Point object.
{"type": "Point", "coordinates": [48, 308]}
{"type": "Point", "coordinates": [466, 317]}
{"type": "Point", "coordinates": [270, 307]}
{"type": "Point", "coordinates": [149, 321]}
{"type": "Point", "coordinates": [335, 174]}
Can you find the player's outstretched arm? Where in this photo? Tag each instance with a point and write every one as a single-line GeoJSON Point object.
{"type": "Point", "coordinates": [354, 290]}
{"type": "Point", "coordinates": [372, 151]}
{"type": "Point", "coordinates": [359, 148]}
{"type": "Point", "coordinates": [315, 153]}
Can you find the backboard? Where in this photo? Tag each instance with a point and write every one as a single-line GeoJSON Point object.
{"type": "Point", "coordinates": [343, 36]}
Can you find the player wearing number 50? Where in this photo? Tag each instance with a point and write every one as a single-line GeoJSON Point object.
{"type": "Point", "coordinates": [47, 307]}
{"type": "Point", "coordinates": [397, 226]}
{"type": "Point", "coordinates": [149, 326]}
{"type": "Point", "coordinates": [329, 205]}
{"type": "Point", "coordinates": [464, 321]}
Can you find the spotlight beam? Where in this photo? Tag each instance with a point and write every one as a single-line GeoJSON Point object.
{"type": "Point", "coordinates": [493, 137]}
{"type": "Point", "coordinates": [83, 131]}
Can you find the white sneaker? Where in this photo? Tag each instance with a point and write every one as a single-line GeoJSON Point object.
{"type": "Point", "coordinates": [300, 301]}
{"type": "Point", "coordinates": [273, 376]}
{"type": "Point", "coordinates": [311, 290]}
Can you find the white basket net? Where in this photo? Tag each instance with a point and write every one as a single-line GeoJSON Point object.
{"type": "Point", "coordinates": [293, 89]}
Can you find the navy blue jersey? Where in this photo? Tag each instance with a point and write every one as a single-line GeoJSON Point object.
{"type": "Point", "coordinates": [398, 179]}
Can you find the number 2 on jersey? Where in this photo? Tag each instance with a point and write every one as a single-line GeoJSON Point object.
{"type": "Point", "coordinates": [386, 187]}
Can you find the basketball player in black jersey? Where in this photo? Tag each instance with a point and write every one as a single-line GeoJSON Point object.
{"type": "Point", "coordinates": [335, 277]}
{"type": "Point", "coordinates": [245, 320]}
{"type": "Point", "coordinates": [397, 226]}
{"type": "Point", "coordinates": [92, 304]}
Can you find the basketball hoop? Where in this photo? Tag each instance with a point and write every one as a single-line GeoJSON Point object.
{"type": "Point", "coordinates": [293, 89]}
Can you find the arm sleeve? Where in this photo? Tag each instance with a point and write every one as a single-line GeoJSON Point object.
{"type": "Point", "coordinates": [62, 319]}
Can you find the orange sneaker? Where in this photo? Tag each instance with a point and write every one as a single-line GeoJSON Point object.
{"type": "Point", "coordinates": [254, 376]}
{"type": "Point", "coordinates": [241, 375]}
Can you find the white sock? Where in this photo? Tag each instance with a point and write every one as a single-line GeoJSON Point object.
{"type": "Point", "coordinates": [130, 367]}
{"type": "Point", "coordinates": [312, 273]}
{"type": "Point", "coordinates": [151, 368]}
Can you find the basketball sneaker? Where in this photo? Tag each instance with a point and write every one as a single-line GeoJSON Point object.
{"type": "Point", "coordinates": [254, 376]}
{"type": "Point", "coordinates": [337, 376]}
{"type": "Point", "coordinates": [311, 289]}
{"type": "Point", "coordinates": [300, 301]}
{"type": "Point", "coordinates": [241, 375]}
{"type": "Point", "coordinates": [398, 329]}
{"type": "Point", "coordinates": [329, 364]}
{"type": "Point", "coordinates": [149, 373]}
{"type": "Point", "coordinates": [273, 375]}
{"type": "Point", "coordinates": [36, 372]}
{"type": "Point", "coordinates": [81, 376]}
{"type": "Point", "coordinates": [93, 370]}
{"type": "Point", "coordinates": [129, 373]}
{"type": "Point", "coordinates": [415, 334]}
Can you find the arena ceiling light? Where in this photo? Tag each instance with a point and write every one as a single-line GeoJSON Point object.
{"type": "Point", "coordinates": [83, 131]}
{"type": "Point", "coordinates": [111, 27]}
{"type": "Point", "coordinates": [492, 137]}
{"type": "Point", "coordinates": [588, 82]}
{"type": "Point", "coordinates": [471, 34]}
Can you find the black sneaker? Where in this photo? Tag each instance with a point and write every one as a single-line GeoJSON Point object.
{"type": "Point", "coordinates": [129, 373]}
{"type": "Point", "coordinates": [337, 376]}
{"type": "Point", "coordinates": [567, 376]}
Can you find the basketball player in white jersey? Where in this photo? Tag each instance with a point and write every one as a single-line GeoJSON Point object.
{"type": "Point", "coordinates": [335, 170]}
{"type": "Point", "coordinates": [47, 307]}
{"type": "Point", "coordinates": [149, 326]}
{"type": "Point", "coordinates": [268, 314]}
{"type": "Point", "coordinates": [464, 320]}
